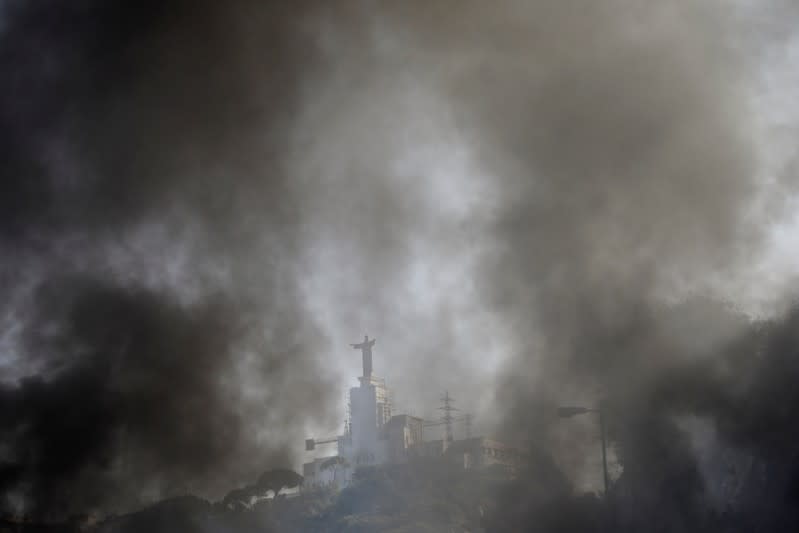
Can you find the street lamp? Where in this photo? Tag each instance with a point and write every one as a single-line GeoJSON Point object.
{"type": "Point", "coordinates": [568, 412]}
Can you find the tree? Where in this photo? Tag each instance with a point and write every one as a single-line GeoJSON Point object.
{"type": "Point", "coordinates": [335, 463]}
{"type": "Point", "coordinates": [277, 480]}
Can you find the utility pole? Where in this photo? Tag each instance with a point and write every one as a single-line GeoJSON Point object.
{"type": "Point", "coordinates": [604, 445]}
{"type": "Point", "coordinates": [467, 422]}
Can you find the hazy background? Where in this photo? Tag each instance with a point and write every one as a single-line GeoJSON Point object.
{"type": "Point", "coordinates": [526, 203]}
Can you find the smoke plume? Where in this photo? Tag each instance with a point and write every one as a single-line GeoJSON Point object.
{"type": "Point", "coordinates": [154, 333]}
{"type": "Point", "coordinates": [526, 203]}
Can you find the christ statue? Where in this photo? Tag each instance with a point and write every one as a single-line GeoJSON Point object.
{"type": "Point", "coordinates": [366, 350]}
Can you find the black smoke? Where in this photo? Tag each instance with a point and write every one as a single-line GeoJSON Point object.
{"type": "Point", "coordinates": [187, 183]}
{"type": "Point", "coordinates": [154, 331]}
{"type": "Point", "coordinates": [130, 387]}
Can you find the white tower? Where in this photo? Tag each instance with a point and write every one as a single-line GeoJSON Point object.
{"type": "Point", "coordinates": [370, 411]}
